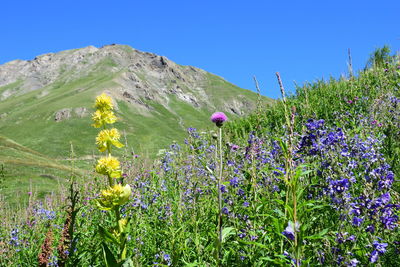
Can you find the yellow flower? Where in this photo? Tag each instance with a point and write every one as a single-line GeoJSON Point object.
{"type": "Point", "coordinates": [109, 166]}
{"type": "Point", "coordinates": [104, 102]}
{"type": "Point", "coordinates": [106, 138]}
{"type": "Point", "coordinates": [103, 117]}
{"type": "Point", "coordinates": [116, 195]}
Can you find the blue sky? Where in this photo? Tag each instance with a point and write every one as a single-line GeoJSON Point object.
{"type": "Point", "coordinates": [303, 40]}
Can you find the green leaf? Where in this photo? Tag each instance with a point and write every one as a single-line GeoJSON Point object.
{"type": "Point", "coordinates": [192, 264]}
{"type": "Point", "coordinates": [109, 258]}
{"type": "Point", "coordinates": [320, 235]}
{"type": "Point", "coordinates": [127, 263]}
{"type": "Point", "coordinates": [107, 236]}
{"type": "Point", "coordinates": [254, 243]}
{"type": "Point", "coordinates": [226, 232]}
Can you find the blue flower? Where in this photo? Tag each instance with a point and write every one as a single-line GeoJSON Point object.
{"type": "Point", "coordinates": [225, 210]}
{"type": "Point", "coordinates": [379, 249]}
{"type": "Point", "coordinates": [357, 221]}
{"type": "Point", "coordinates": [290, 229]}
{"type": "Point", "coordinates": [234, 182]}
{"type": "Point", "coordinates": [352, 263]}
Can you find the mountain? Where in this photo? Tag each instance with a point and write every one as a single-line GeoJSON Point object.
{"type": "Point", "coordinates": [46, 103]}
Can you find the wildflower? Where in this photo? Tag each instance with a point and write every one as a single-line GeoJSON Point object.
{"type": "Point", "coordinates": [234, 147]}
{"type": "Point", "coordinates": [379, 249]}
{"type": "Point", "coordinates": [370, 228]}
{"type": "Point", "coordinates": [225, 210]}
{"type": "Point", "coordinates": [106, 138]}
{"type": "Point", "coordinates": [357, 221]}
{"type": "Point", "coordinates": [234, 182]}
{"type": "Point", "coordinates": [14, 238]}
{"type": "Point", "coordinates": [289, 231]}
{"type": "Point", "coordinates": [218, 118]}
{"type": "Point", "coordinates": [114, 196]}
{"type": "Point", "coordinates": [374, 256]}
{"type": "Point", "coordinates": [104, 102]}
{"type": "Point", "coordinates": [101, 118]}
{"type": "Point", "coordinates": [339, 186]}
{"type": "Point", "coordinates": [109, 166]}
{"type": "Point", "coordinates": [45, 214]}
{"type": "Point", "coordinates": [167, 259]}
{"type": "Point", "coordinates": [352, 263]}
{"type": "Point", "coordinates": [223, 189]}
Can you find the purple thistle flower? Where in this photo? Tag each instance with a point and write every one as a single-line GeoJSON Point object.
{"type": "Point", "coordinates": [218, 118]}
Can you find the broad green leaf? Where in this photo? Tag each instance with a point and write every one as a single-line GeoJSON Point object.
{"type": "Point", "coordinates": [226, 232]}
{"type": "Point", "coordinates": [109, 258]}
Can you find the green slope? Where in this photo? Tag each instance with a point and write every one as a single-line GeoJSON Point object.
{"type": "Point", "coordinates": [24, 170]}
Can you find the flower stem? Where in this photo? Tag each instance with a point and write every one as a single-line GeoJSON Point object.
{"type": "Point", "coordinates": [220, 195]}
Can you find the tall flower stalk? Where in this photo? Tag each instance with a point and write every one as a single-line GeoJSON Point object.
{"type": "Point", "coordinates": [219, 118]}
{"type": "Point", "coordinates": [292, 176]}
{"type": "Point", "coordinates": [117, 194]}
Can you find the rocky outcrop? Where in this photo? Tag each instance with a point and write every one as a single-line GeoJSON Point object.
{"type": "Point", "coordinates": [63, 114]}
{"type": "Point", "coordinates": [67, 113]}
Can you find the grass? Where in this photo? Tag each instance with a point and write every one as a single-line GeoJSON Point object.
{"type": "Point", "coordinates": [25, 170]}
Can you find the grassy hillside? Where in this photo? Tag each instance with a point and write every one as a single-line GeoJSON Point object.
{"type": "Point", "coordinates": [348, 103]}
{"type": "Point", "coordinates": [24, 170]}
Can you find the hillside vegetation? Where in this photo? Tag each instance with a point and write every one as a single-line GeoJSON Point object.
{"type": "Point", "coordinates": [24, 171]}
{"type": "Point", "coordinates": [311, 180]}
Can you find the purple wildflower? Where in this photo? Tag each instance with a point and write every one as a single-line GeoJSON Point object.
{"type": "Point", "coordinates": [218, 118]}
{"type": "Point", "coordinates": [289, 231]}
{"type": "Point", "coordinates": [379, 249]}
{"type": "Point", "coordinates": [370, 229]}
{"type": "Point", "coordinates": [352, 263]}
{"type": "Point", "coordinates": [225, 210]}
{"type": "Point", "coordinates": [374, 256]}
{"type": "Point", "coordinates": [234, 147]}
{"type": "Point", "coordinates": [357, 221]}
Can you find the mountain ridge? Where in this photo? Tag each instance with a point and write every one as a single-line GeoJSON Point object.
{"type": "Point", "coordinates": [58, 89]}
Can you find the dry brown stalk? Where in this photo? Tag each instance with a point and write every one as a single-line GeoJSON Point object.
{"type": "Point", "coordinates": [45, 253]}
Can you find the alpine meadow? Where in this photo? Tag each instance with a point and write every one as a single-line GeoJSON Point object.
{"type": "Point", "coordinates": [115, 157]}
